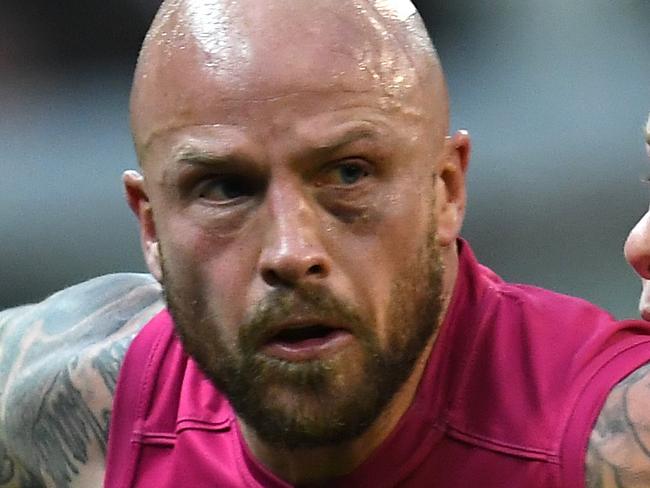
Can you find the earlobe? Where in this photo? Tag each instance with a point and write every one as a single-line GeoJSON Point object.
{"type": "Point", "coordinates": [138, 201]}
{"type": "Point", "coordinates": [152, 258]}
{"type": "Point", "coordinates": [452, 196]}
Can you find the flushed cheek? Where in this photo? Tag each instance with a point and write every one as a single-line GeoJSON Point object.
{"type": "Point", "coordinates": [374, 259]}
{"type": "Point", "coordinates": [215, 268]}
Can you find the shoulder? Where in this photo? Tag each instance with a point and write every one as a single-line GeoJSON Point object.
{"type": "Point", "coordinates": [558, 354]}
{"type": "Point", "coordinates": [83, 299]}
{"type": "Point", "coordinates": [79, 322]}
{"type": "Point", "coordinates": [618, 454]}
{"type": "Point", "coordinates": [59, 361]}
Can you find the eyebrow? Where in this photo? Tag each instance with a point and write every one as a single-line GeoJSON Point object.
{"type": "Point", "coordinates": [188, 154]}
{"type": "Point", "coordinates": [203, 157]}
{"type": "Point", "coordinates": [350, 136]}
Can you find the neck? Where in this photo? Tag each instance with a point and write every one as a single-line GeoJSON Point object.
{"type": "Point", "coordinates": [316, 466]}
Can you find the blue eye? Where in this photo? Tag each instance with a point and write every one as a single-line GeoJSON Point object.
{"type": "Point", "coordinates": [350, 174]}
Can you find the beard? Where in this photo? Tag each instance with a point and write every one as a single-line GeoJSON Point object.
{"type": "Point", "coordinates": [324, 401]}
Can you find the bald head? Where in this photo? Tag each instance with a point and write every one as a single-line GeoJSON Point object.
{"type": "Point", "coordinates": [253, 49]}
{"type": "Point", "coordinates": [294, 149]}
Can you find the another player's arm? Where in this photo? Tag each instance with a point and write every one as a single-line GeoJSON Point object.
{"type": "Point", "coordinates": [618, 455]}
{"type": "Point", "coordinates": [59, 362]}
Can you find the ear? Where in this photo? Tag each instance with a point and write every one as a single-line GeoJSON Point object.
{"type": "Point", "coordinates": [451, 195]}
{"type": "Point", "coordinates": [138, 200]}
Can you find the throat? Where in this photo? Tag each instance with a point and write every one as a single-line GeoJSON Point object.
{"type": "Point", "coordinates": [308, 468]}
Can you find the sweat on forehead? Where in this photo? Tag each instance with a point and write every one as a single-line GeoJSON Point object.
{"type": "Point", "coordinates": [278, 47]}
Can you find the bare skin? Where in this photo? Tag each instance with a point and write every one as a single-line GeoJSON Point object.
{"type": "Point", "coordinates": [260, 106]}
{"type": "Point", "coordinates": [283, 125]}
{"type": "Point", "coordinates": [619, 447]}
{"type": "Point", "coordinates": [617, 456]}
{"type": "Point", "coordinates": [637, 249]}
{"type": "Point", "coordinates": [59, 362]}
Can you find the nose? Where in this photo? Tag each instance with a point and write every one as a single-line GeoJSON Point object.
{"type": "Point", "coordinates": [644, 300]}
{"type": "Point", "coordinates": [637, 247]}
{"type": "Point", "coordinates": [293, 252]}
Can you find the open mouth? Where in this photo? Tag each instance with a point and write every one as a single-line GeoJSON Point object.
{"type": "Point", "coordinates": [302, 334]}
{"type": "Point", "coordinates": [307, 342]}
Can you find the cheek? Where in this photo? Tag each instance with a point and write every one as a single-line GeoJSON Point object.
{"type": "Point", "coordinates": [386, 249]}
{"type": "Point", "coordinates": [215, 269]}
{"type": "Point", "coordinates": [403, 226]}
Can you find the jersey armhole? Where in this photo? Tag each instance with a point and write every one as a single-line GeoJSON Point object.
{"type": "Point", "coordinates": [132, 396]}
{"type": "Point", "coordinates": [589, 405]}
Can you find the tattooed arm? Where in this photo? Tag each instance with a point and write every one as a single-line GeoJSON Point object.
{"type": "Point", "coordinates": [59, 362]}
{"type": "Point", "coordinates": [619, 447]}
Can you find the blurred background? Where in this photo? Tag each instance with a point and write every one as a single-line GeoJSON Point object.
{"type": "Point", "coordinates": [554, 93]}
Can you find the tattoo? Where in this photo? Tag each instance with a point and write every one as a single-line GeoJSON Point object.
{"type": "Point", "coordinates": [7, 467]}
{"type": "Point", "coordinates": [59, 364]}
{"type": "Point", "coordinates": [619, 447]}
{"type": "Point", "coordinates": [13, 475]}
{"type": "Point", "coordinates": [108, 362]}
{"type": "Point", "coordinates": [65, 426]}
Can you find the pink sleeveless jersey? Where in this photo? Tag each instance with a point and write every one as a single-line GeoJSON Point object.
{"type": "Point", "coordinates": [512, 388]}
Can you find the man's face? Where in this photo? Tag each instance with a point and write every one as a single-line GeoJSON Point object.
{"type": "Point", "coordinates": [637, 253]}
{"type": "Point", "coordinates": [295, 217]}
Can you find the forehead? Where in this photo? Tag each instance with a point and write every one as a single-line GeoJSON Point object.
{"type": "Point", "coordinates": [306, 110]}
{"type": "Point", "coordinates": [291, 129]}
{"type": "Point", "coordinates": [278, 129]}
{"type": "Point", "coordinates": [214, 57]}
